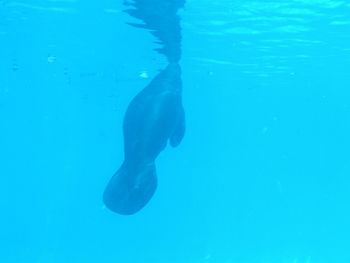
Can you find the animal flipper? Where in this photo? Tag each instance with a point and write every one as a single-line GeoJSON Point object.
{"type": "Point", "coordinates": [131, 188]}
{"type": "Point", "coordinates": [179, 131]}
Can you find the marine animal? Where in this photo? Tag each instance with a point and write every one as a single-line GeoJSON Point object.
{"type": "Point", "coordinates": [153, 118]}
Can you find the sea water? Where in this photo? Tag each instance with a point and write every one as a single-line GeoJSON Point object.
{"type": "Point", "coordinates": [262, 175]}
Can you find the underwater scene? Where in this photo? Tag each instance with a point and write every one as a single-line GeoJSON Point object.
{"type": "Point", "coordinates": [174, 131]}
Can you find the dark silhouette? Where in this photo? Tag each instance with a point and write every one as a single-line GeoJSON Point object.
{"type": "Point", "coordinates": [161, 18]}
{"type": "Point", "coordinates": [155, 116]}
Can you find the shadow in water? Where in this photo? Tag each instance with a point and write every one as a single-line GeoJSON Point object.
{"type": "Point", "coordinates": [155, 115]}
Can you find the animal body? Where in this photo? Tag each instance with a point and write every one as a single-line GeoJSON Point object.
{"type": "Point", "coordinates": [153, 118]}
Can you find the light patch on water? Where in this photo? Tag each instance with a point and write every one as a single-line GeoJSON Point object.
{"type": "Point", "coordinates": [218, 22]}
{"type": "Point", "coordinates": [213, 61]}
{"type": "Point", "coordinates": [265, 17]}
{"type": "Point", "coordinates": [299, 11]}
{"type": "Point", "coordinates": [211, 33]}
{"type": "Point", "coordinates": [292, 29]}
{"type": "Point", "coordinates": [263, 75]}
{"type": "Point", "coordinates": [246, 43]}
{"type": "Point", "coordinates": [303, 56]}
{"type": "Point", "coordinates": [143, 74]}
{"type": "Point", "coordinates": [242, 31]}
{"type": "Point", "coordinates": [265, 48]}
{"type": "Point", "coordinates": [273, 41]}
{"type": "Point", "coordinates": [340, 23]}
{"type": "Point", "coordinates": [271, 19]}
{"type": "Point", "coordinates": [265, 7]}
{"type": "Point", "coordinates": [265, 130]}
{"type": "Point", "coordinates": [63, 1]}
{"type": "Point", "coordinates": [41, 8]}
{"type": "Point", "coordinates": [270, 66]}
{"type": "Point", "coordinates": [322, 3]}
{"type": "Point", "coordinates": [243, 13]}
{"type": "Point", "coordinates": [51, 59]}
{"type": "Point", "coordinates": [306, 41]}
{"type": "Point", "coordinates": [112, 11]}
{"type": "Point", "coordinates": [249, 72]}
{"type": "Point", "coordinates": [268, 71]}
{"type": "Point", "coordinates": [288, 42]}
{"type": "Point", "coordinates": [268, 57]}
{"type": "Point", "coordinates": [280, 72]}
{"type": "Point", "coordinates": [250, 65]}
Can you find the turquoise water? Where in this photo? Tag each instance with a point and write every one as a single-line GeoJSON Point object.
{"type": "Point", "coordinates": [262, 174]}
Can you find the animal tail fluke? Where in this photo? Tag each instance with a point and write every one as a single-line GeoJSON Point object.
{"type": "Point", "coordinates": [130, 189]}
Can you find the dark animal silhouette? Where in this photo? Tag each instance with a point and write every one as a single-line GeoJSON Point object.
{"type": "Point", "coordinates": [155, 116]}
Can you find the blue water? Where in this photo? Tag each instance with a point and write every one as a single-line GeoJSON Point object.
{"type": "Point", "coordinates": [262, 175]}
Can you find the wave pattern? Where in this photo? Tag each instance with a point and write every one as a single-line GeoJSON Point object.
{"type": "Point", "coordinates": [265, 38]}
